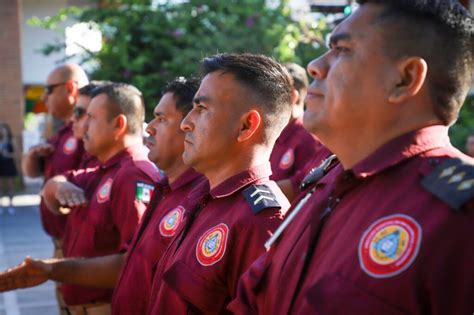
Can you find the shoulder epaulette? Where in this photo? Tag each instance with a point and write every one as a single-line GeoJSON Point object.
{"type": "Point", "coordinates": [260, 197]}
{"type": "Point", "coordinates": [318, 172]}
{"type": "Point", "coordinates": [452, 182]}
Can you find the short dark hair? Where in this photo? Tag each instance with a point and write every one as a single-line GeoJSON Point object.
{"type": "Point", "coordinates": [267, 81]}
{"type": "Point", "coordinates": [439, 31]}
{"type": "Point", "coordinates": [298, 76]}
{"type": "Point", "coordinates": [183, 90]}
{"type": "Point", "coordinates": [127, 100]}
{"type": "Point", "coordinates": [86, 90]}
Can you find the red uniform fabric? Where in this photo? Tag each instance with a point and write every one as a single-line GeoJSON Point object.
{"type": "Point", "coordinates": [218, 240]}
{"type": "Point", "coordinates": [67, 156]}
{"type": "Point", "coordinates": [293, 150]}
{"type": "Point", "coordinates": [374, 241]}
{"type": "Point", "coordinates": [159, 225]}
{"type": "Point", "coordinates": [102, 227]}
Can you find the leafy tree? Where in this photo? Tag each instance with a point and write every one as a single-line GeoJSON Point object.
{"type": "Point", "coordinates": [147, 45]}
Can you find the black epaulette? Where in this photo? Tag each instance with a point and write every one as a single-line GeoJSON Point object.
{"type": "Point", "coordinates": [452, 182]}
{"type": "Point", "coordinates": [260, 197]}
{"type": "Point", "coordinates": [318, 172]}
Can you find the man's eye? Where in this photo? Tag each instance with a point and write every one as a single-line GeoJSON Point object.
{"type": "Point", "coordinates": [340, 49]}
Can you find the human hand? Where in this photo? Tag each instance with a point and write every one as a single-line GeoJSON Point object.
{"type": "Point", "coordinates": [29, 273]}
{"type": "Point", "coordinates": [70, 195]}
{"type": "Point", "coordinates": [42, 150]}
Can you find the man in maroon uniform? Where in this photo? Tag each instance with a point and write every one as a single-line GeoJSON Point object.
{"type": "Point", "coordinates": [388, 229]}
{"type": "Point", "coordinates": [239, 111]}
{"type": "Point", "coordinates": [63, 152]}
{"type": "Point", "coordinates": [159, 224]}
{"type": "Point", "coordinates": [295, 148]}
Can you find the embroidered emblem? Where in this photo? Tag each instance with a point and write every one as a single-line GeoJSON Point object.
{"type": "Point", "coordinates": [452, 182]}
{"type": "Point", "coordinates": [171, 221]}
{"type": "Point", "coordinates": [389, 246]}
{"type": "Point", "coordinates": [103, 194]}
{"type": "Point", "coordinates": [70, 145]}
{"type": "Point", "coordinates": [143, 192]}
{"type": "Point", "coordinates": [212, 245]}
{"type": "Point", "coordinates": [287, 159]}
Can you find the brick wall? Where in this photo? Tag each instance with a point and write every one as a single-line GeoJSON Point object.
{"type": "Point", "coordinates": [11, 86]}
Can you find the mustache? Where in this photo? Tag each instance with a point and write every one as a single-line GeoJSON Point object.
{"type": "Point", "coordinates": [150, 139]}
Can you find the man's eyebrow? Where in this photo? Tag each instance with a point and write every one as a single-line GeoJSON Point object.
{"type": "Point", "coordinates": [158, 113]}
{"type": "Point", "coordinates": [200, 99]}
{"type": "Point", "coordinates": [334, 38]}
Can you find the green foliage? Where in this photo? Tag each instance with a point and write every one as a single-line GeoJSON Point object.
{"type": "Point", "coordinates": [149, 45]}
{"type": "Point", "coordinates": [465, 124]}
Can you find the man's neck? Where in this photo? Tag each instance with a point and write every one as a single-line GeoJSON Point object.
{"type": "Point", "coordinates": [175, 171]}
{"type": "Point", "coordinates": [119, 146]}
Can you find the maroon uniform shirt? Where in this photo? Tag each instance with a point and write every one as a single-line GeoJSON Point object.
{"type": "Point", "coordinates": [160, 223]}
{"type": "Point", "coordinates": [67, 155]}
{"type": "Point", "coordinates": [218, 240]}
{"type": "Point", "coordinates": [376, 239]}
{"type": "Point", "coordinates": [293, 150]}
{"type": "Point", "coordinates": [117, 193]}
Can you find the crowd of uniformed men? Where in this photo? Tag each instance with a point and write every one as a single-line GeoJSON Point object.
{"type": "Point", "coordinates": [238, 208]}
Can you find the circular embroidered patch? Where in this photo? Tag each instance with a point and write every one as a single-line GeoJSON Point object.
{"type": "Point", "coordinates": [104, 192]}
{"type": "Point", "coordinates": [171, 221]}
{"type": "Point", "coordinates": [389, 246]}
{"type": "Point", "coordinates": [70, 145]}
{"type": "Point", "coordinates": [287, 159]}
{"type": "Point", "coordinates": [212, 245]}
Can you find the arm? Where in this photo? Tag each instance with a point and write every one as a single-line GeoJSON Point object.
{"type": "Point", "coordinates": [58, 192]}
{"type": "Point", "coordinates": [32, 161]}
{"type": "Point", "coordinates": [100, 272]}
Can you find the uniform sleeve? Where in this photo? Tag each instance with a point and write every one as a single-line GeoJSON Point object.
{"type": "Point", "coordinates": [249, 239]}
{"type": "Point", "coordinates": [127, 208]}
{"type": "Point", "coordinates": [450, 257]}
{"type": "Point", "coordinates": [246, 300]}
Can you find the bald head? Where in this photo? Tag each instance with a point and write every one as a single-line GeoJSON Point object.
{"type": "Point", "coordinates": [62, 90]}
{"type": "Point", "coordinates": [71, 71]}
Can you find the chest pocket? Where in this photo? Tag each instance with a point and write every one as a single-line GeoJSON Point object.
{"type": "Point", "coordinates": [334, 295]}
{"type": "Point", "coordinates": [203, 296]}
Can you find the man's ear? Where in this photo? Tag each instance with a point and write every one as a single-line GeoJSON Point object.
{"type": "Point", "coordinates": [411, 77]}
{"type": "Point", "coordinates": [73, 91]}
{"type": "Point", "coordinates": [295, 96]}
{"type": "Point", "coordinates": [249, 123]}
{"type": "Point", "coordinates": [121, 123]}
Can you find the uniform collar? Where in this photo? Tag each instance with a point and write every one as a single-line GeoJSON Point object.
{"type": "Point", "coordinates": [64, 128]}
{"type": "Point", "coordinates": [287, 132]}
{"type": "Point", "coordinates": [236, 182]}
{"type": "Point", "coordinates": [402, 148]}
{"type": "Point", "coordinates": [117, 158]}
{"type": "Point", "coordinates": [188, 176]}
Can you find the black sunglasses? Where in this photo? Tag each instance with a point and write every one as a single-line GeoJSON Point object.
{"type": "Point", "coordinates": [50, 88]}
{"type": "Point", "coordinates": [78, 112]}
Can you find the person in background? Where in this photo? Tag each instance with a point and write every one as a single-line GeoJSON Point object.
{"type": "Point", "coordinates": [62, 152]}
{"type": "Point", "coordinates": [470, 145]}
{"type": "Point", "coordinates": [8, 170]}
{"type": "Point", "coordinates": [296, 150]}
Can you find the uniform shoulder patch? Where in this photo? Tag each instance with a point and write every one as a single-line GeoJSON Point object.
{"type": "Point", "coordinates": [143, 192]}
{"type": "Point", "coordinates": [260, 197]}
{"type": "Point", "coordinates": [452, 182]}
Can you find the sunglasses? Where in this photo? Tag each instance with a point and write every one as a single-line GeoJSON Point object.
{"type": "Point", "coordinates": [50, 88]}
{"type": "Point", "coordinates": [78, 112]}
